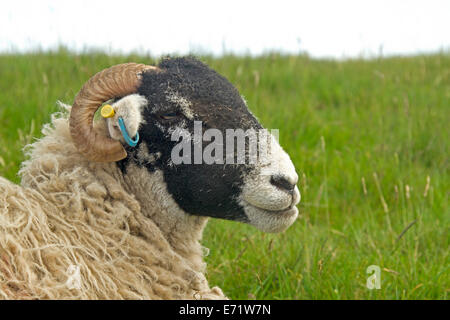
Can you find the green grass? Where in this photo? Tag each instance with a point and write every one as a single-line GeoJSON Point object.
{"type": "Point", "coordinates": [370, 143]}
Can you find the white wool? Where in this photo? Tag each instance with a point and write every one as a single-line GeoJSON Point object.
{"type": "Point", "coordinates": [124, 235]}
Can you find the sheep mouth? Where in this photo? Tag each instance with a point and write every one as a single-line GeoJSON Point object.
{"type": "Point", "coordinates": [272, 221]}
{"type": "Point", "coordinates": [285, 211]}
{"type": "Point", "coordinates": [257, 192]}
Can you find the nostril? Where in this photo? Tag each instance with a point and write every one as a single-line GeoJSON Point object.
{"type": "Point", "coordinates": [282, 183]}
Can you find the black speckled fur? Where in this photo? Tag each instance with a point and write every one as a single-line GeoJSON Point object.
{"type": "Point", "coordinates": [199, 189]}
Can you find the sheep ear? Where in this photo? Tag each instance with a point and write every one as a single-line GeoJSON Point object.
{"type": "Point", "coordinates": [130, 109]}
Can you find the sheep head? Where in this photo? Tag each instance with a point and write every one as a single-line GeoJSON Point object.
{"type": "Point", "coordinates": [180, 100]}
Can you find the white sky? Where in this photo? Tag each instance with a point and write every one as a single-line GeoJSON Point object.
{"type": "Point", "coordinates": [339, 28]}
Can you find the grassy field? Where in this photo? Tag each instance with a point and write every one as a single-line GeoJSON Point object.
{"type": "Point", "coordinates": [370, 141]}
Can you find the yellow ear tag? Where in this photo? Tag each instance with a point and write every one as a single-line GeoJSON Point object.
{"type": "Point", "coordinates": [107, 111]}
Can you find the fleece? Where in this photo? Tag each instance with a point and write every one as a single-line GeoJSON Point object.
{"type": "Point", "coordinates": [75, 229]}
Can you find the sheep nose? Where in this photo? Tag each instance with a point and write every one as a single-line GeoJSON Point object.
{"type": "Point", "coordinates": [282, 182]}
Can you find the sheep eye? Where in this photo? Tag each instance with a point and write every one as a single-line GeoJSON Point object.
{"type": "Point", "coordinates": [169, 116]}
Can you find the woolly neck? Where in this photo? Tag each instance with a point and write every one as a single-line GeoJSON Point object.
{"type": "Point", "coordinates": [182, 231]}
{"type": "Point", "coordinates": [143, 193]}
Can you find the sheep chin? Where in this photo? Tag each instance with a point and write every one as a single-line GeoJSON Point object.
{"type": "Point", "coordinates": [269, 221]}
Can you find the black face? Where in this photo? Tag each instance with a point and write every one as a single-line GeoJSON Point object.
{"type": "Point", "coordinates": [199, 189]}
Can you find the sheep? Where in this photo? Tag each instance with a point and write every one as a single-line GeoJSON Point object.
{"type": "Point", "coordinates": [94, 218]}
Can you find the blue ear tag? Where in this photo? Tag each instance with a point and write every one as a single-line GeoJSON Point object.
{"type": "Point", "coordinates": [131, 142]}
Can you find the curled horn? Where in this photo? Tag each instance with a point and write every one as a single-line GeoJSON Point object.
{"type": "Point", "coordinates": [116, 81]}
